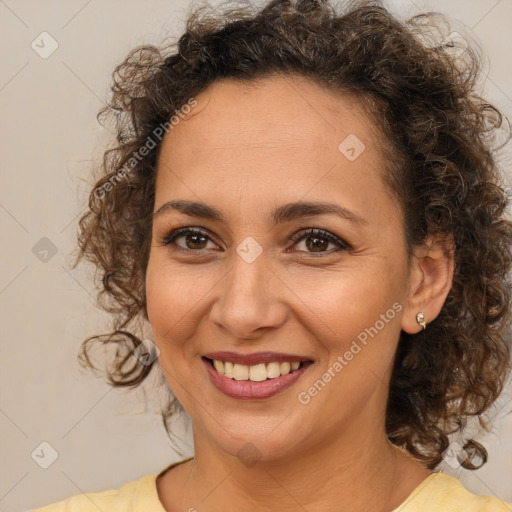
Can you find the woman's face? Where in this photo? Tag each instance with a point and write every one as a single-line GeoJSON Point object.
{"type": "Point", "coordinates": [243, 286]}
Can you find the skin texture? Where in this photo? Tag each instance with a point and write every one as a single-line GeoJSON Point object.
{"type": "Point", "coordinates": [247, 149]}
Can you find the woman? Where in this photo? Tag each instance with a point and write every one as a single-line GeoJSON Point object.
{"type": "Point", "coordinates": [305, 208]}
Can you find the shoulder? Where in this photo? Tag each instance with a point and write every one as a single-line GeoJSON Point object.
{"type": "Point", "coordinates": [443, 493]}
{"type": "Point", "coordinates": [136, 495]}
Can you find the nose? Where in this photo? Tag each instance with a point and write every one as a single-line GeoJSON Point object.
{"type": "Point", "coordinates": [250, 300]}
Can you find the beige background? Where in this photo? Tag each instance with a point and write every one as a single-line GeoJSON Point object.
{"type": "Point", "coordinates": [50, 136]}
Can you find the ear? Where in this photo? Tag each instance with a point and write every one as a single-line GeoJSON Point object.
{"type": "Point", "coordinates": [430, 280]}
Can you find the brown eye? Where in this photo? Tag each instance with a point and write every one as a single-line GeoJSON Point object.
{"type": "Point", "coordinates": [316, 244]}
{"type": "Point", "coordinates": [317, 241]}
{"type": "Point", "coordinates": [195, 239]}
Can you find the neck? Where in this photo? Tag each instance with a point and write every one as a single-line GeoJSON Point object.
{"type": "Point", "coordinates": [360, 471]}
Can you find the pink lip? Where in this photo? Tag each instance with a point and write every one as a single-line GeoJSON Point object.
{"type": "Point", "coordinates": [248, 390]}
{"type": "Point", "coordinates": [255, 358]}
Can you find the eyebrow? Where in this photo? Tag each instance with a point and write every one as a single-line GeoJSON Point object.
{"type": "Point", "coordinates": [283, 213]}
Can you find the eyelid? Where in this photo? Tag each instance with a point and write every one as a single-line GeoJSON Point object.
{"type": "Point", "coordinates": [185, 230]}
{"type": "Point", "coordinates": [303, 233]}
{"type": "Point", "coordinates": [321, 233]}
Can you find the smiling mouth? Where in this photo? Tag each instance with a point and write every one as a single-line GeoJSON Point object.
{"type": "Point", "coordinates": [255, 373]}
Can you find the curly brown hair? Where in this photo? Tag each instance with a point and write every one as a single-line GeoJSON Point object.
{"type": "Point", "coordinates": [423, 92]}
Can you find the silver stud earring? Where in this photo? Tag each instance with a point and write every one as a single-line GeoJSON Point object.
{"type": "Point", "coordinates": [421, 320]}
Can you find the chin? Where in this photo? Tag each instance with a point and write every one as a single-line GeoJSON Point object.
{"type": "Point", "coordinates": [261, 440]}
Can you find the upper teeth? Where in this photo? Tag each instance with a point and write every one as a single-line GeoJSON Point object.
{"type": "Point", "coordinates": [257, 372]}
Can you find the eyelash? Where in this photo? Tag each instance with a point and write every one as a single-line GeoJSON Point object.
{"type": "Point", "coordinates": [320, 233]}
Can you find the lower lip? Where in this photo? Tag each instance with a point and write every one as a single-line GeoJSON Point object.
{"type": "Point", "coordinates": [249, 390]}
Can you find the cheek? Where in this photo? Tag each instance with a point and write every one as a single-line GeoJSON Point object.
{"type": "Point", "coordinates": [177, 300]}
{"type": "Point", "coordinates": [345, 301]}
{"type": "Point", "coordinates": [355, 317]}
{"type": "Point", "coordinates": [168, 297]}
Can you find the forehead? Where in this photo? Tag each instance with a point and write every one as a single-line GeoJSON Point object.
{"type": "Point", "coordinates": [276, 111]}
{"type": "Point", "coordinates": [279, 137]}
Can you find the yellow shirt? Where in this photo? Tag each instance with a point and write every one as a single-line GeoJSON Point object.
{"type": "Point", "coordinates": [437, 493]}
